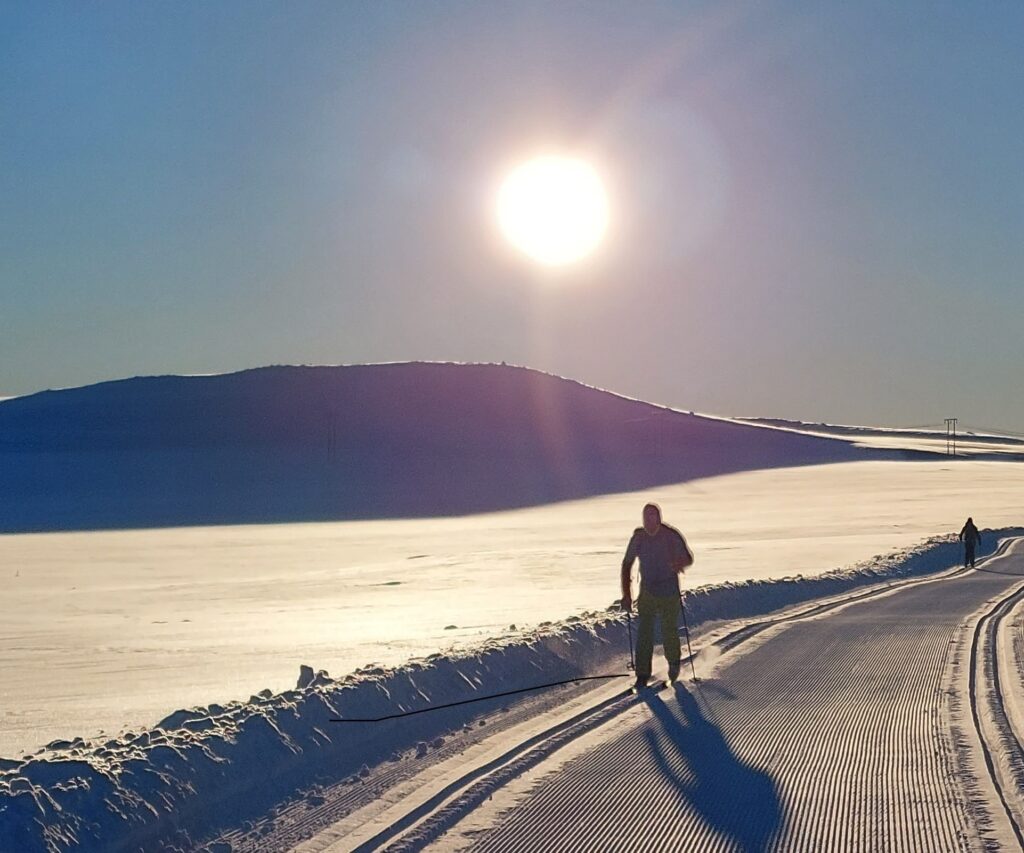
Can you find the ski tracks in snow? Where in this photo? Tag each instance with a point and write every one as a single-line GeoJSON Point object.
{"type": "Point", "coordinates": [836, 729]}
{"type": "Point", "coordinates": [994, 690]}
{"type": "Point", "coordinates": [882, 722]}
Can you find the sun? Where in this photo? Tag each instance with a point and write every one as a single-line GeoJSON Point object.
{"type": "Point", "coordinates": [553, 209]}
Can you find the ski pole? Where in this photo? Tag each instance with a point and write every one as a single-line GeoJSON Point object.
{"type": "Point", "coordinates": [686, 630]}
{"type": "Point", "coordinates": [629, 626]}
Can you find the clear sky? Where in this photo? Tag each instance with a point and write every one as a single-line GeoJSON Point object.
{"type": "Point", "coordinates": [817, 210]}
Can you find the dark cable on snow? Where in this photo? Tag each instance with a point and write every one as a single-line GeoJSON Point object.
{"type": "Point", "coordinates": [476, 699]}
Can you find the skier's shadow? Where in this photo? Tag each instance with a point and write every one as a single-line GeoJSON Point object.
{"type": "Point", "coordinates": [739, 801]}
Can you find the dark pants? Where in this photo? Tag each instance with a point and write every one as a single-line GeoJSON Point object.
{"type": "Point", "coordinates": [664, 608]}
{"type": "Point", "coordinates": [969, 555]}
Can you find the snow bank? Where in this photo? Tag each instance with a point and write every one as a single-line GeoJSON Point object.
{"type": "Point", "coordinates": [206, 769]}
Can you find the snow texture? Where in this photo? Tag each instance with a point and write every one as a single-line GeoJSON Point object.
{"type": "Point", "coordinates": [204, 769]}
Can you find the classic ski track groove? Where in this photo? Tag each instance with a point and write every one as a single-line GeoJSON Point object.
{"type": "Point", "coordinates": [432, 823]}
{"type": "Point", "coordinates": [1003, 741]}
{"type": "Point", "coordinates": [344, 798]}
{"type": "Point", "coordinates": [423, 825]}
{"type": "Point", "coordinates": [897, 755]}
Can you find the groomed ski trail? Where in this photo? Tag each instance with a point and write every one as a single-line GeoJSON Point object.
{"type": "Point", "coordinates": [865, 728]}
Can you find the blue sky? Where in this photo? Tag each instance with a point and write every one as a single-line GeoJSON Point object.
{"type": "Point", "coordinates": [817, 209]}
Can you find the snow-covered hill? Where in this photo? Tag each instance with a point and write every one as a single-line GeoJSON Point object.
{"type": "Point", "coordinates": [369, 441]}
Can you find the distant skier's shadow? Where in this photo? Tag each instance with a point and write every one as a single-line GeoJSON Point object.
{"type": "Point", "coordinates": [737, 800]}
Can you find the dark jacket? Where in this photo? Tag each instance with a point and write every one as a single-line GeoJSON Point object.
{"type": "Point", "coordinates": [659, 556]}
{"type": "Point", "coordinates": [970, 535]}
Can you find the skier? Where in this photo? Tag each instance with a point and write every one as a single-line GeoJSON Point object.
{"type": "Point", "coordinates": [970, 536]}
{"type": "Point", "coordinates": [663, 554]}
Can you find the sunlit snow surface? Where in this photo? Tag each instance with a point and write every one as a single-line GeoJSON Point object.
{"type": "Point", "coordinates": [106, 630]}
{"type": "Point", "coordinates": [967, 443]}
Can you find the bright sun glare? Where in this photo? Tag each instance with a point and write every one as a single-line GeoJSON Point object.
{"type": "Point", "coordinates": [554, 209]}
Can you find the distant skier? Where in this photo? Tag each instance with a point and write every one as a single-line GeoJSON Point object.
{"type": "Point", "coordinates": [663, 554]}
{"type": "Point", "coordinates": [970, 536]}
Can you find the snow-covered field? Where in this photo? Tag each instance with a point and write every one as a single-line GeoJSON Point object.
{"type": "Point", "coordinates": [985, 444]}
{"type": "Point", "coordinates": [272, 771]}
{"type": "Point", "coordinates": [108, 630]}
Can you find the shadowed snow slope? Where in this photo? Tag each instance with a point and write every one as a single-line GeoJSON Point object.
{"type": "Point", "coordinates": [369, 441]}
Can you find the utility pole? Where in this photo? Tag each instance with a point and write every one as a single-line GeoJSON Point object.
{"type": "Point", "coordinates": [951, 436]}
{"type": "Point", "coordinates": [331, 431]}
